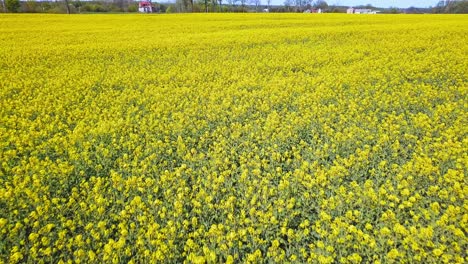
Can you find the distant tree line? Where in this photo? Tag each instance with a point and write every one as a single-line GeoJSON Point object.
{"type": "Point", "coordinates": [187, 6]}
{"type": "Point", "coordinates": [69, 6]}
{"type": "Point", "coordinates": [452, 7]}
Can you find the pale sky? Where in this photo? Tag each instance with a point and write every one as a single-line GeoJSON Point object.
{"type": "Point", "coordinates": [386, 3]}
{"type": "Point", "coordinates": [377, 3]}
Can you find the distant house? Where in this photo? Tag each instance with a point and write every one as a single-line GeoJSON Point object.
{"type": "Point", "coordinates": [145, 7]}
{"type": "Point", "coordinates": [353, 10]}
{"type": "Point", "coordinates": [313, 10]}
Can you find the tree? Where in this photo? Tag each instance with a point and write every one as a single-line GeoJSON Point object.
{"type": "Point", "coordinates": [257, 3]}
{"type": "Point", "coordinates": [30, 6]}
{"type": "Point", "coordinates": [393, 10]}
{"type": "Point", "coordinates": [243, 4]}
{"type": "Point", "coordinates": [299, 4]}
{"type": "Point", "coordinates": [213, 4]}
{"type": "Point", "coordinates": [180, 6]}
{"type": "Point", "coordinates": [12, 5]}
{"type": "Point", "coordinates": [3, 6]}
{"type": "Point", "coordinates": [67, 5]}
{"type": "Point", "coordinates": [208, 5]}
{"type": "Point", "coordinates": [121, 4]}
{"type": "Point", "coordinates": [78, 4]}
{"type": "Point", "coordinates": [451, 6]}
{"type": "Point", "coordinates": [184, 6]}
{"type": "Point", "coordinates": [321, 4]}
{"type": "Point", "coordinates": [287, 5]}
{"type": "Point", "coordinates": [461, 7]}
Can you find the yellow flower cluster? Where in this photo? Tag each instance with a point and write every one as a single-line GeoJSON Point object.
{"type": "Point", "coordinates": [253, 138]}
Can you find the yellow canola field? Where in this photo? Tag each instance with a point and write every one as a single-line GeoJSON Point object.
{"type": "Point", "coordinates": [233, 138]}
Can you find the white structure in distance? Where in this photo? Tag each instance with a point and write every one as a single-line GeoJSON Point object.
{"type": "Point", "coordinates": [145, 7]}
{"type": "Point", "coordinates": [353, 10]}
{"type": "Point", "coordinates": [313, 10]}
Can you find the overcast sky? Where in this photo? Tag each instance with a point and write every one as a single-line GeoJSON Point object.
{"type": "Point", "coordinates": [386, 3]}
{"type": "Point", "coordinates": [377, 3]}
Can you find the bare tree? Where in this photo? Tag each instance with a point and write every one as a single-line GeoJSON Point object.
{"type": "Point", "coordinates": [121, 4]}
{"type": "Point", "coordinates": [243, 4]}
{"type": "Point", "coordinates": [4, 6]}
{"type": "Point", "coordinates": [180, 6]}
{"type": "Point", "coordinates": [233, 4]}
{"type": "Point", "coordinates": [67, 5]}
{"type": "Point", "coordinates": [298, 4]}
{"type": "Point", "coordinates": [321, 4]}
{"type": "Point", "coordinates": [269, 4]}
{"type": "Point", "coordinates": [210, 5]}
{"type": "Point", "coordinates": [257, 3]}
{"type": "Point", "coordinates": [184, 6]}
{"type": "Point", "coordinates": [213, 4]}
{"type": "Point", "coordinates": [288, 4]}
